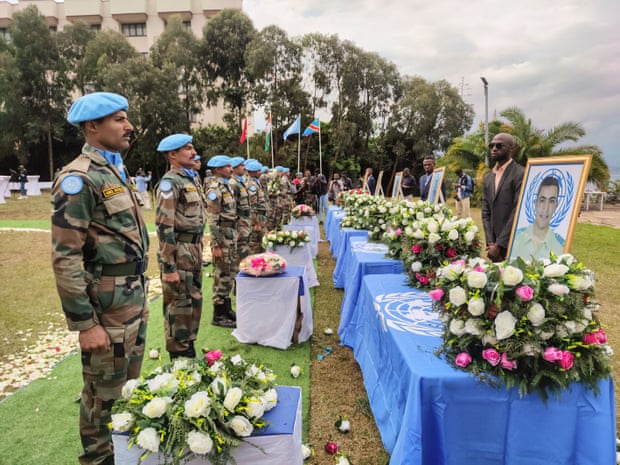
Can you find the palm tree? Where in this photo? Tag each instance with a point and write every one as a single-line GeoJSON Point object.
{"type": "Point", "coordinates": [532, 142]}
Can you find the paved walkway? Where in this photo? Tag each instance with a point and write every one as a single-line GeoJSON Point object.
{"type": "Point", "coordinates": [609, 216]}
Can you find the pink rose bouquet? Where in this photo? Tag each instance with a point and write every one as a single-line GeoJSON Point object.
{"type": "Point", "coordinates": [507, 324]}
{"type": "Point", "coordinates": [262, 264]}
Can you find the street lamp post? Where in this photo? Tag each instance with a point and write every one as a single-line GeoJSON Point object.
{"type": "Point", "coordinates": [486, 120]}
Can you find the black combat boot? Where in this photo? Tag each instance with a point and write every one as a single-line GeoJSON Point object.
{"type": "Point", "coordinates": [190, 352]}
{"type": "Point", "coordinates": [220, 317]}
{"type": "Point", "coordinates": [229, 311]}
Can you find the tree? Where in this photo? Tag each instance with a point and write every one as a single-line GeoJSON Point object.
{"type": "Point", "coordinates": [223, 53]}
{"type": "Point", "coordinates": [533, 142]}
{"type": "Point", "coordinates": [274, 62]}
{"type": "Point", "coordinates": [178, 49]}
{"type": "Point", "coordinates": [72, 42]}
{"type": "Point", "coordinates": [34, 88]}
{"type": "Point", "coordinates": [107, 48]}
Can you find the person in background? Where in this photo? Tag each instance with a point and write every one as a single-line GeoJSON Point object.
{"type": "Point", "coordinates": [347, 183]}
{"type": "Point", "coordinates": [258, 206]}
{"type": "Point", "coordinates": [371, 183]}
{"type": "Point", "coordinates": [408, 184]}
{"type": "Point", "coordinates": [500, 196]}
{"type": "Point", "coordinates": [425, 180]}
{"type": "Point", "coordinates": [21, 176]}
{"type": "Point", "coordinates": [334, 188]}
{"type": "Point", "coordinates": [238, 184]}
{"type": "Point", "coordinates": [464, 188]}
{"type": "Point", "coordinates": [319, 187]}
{"type": "Point", "coordinates": [222, 220]}
{"type": "Point", "coordinates": [180, 221]}
{"type": "Point", "coordinates": [99, 256]}
{"type": "Point", "coordinates": [142, 182]}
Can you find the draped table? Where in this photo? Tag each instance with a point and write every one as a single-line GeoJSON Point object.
{"type": "Point", "coordinates": [310, 224]}
{"type": "Point", "coordinates": [277, 444]}
{"type": "Point", "coordinates": [341, 253]}
{"type": "Point", "coordinates": [299, 256]}
{"type": "Point", "coordinates": [363, 258]}
{"type": "Point", "coordinates": [273, 310]}
{"type": "Point", "coordinates": [429, 413]}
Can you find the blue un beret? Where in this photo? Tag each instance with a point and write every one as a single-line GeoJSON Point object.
{"type": "Point", "coordinates": [236, 161]}
{"type": "Point", "coordinates": [253, 165]}
{"type": "Point", "coordinates": [218, 161]}
{"type": "Point", "coordinates": [279, 169]}
{"type": "Point", "coordinates": [173, 142]}
{"type": "Point", "coordinates": [96, 105]}
{"type": "Point", "coordinates": [286, 170]}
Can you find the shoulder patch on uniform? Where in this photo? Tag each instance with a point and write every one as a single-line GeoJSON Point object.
{"type": "Point", "coordinates": [212, 196]}
{"type": "Point", "coordinates": [190, 188]}
{"type": "Point", "coordinates": [71, 184]}
{"type": "Point", "coordinates": [253, 188]}
{"type": "Point", "coordinates": [165, 186]}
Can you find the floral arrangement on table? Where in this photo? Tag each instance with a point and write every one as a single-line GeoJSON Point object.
{"type": "Point", "coordinates": [368, 212]}
{"type": "Point", "coordinates": [344, 197]}
{"type": "Point", "coordinates": [403, 214]}
{"type": "Point", "coordinates": [262, 264]}
{"type": "Point", "coordinates": [196, 408]}
{"type": "Point", "coordinates": [431, 242]}
{"type": "Point", "coordinates": [283, 237]}
{"type": "Point", "coordinates": [302, 210]}
{"type": "Point", "coordinates": [530, 325]}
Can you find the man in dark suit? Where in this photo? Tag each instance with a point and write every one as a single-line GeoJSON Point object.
{"type": "Point", "coordinates": [501, 189]}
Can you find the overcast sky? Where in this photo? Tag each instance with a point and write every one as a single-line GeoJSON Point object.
{"type": "Point", "coordinates": [557, 60]}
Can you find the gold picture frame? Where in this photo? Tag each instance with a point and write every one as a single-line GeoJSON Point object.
{"type": "Point", "coordinates": [549, 205]}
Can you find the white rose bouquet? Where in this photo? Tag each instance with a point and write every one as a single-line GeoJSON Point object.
{"type": "Point", "coordinates": [426, 237]}
{"type": "Point", "coordinates": [291, 239]}
{"type": "Point", "coordinates": [201, 408]}
{"type": "Point", "coordinates": [530, 325]}
{"type": "Point", "coordinates": [365, 211]}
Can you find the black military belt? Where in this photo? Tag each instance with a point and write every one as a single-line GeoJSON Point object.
{"type": "Point", "coordinates": [122, 269]}
{"type": "Point", "coordinates": [228, 224]}
{"type": "Point", "coordinates": [189, 237]}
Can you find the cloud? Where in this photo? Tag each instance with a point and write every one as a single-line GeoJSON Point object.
{"type": "Point", "coordinates": [557, 61]}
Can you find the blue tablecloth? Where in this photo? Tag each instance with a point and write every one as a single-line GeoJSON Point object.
{"type": "Point", "coordinates": [430, 413]}
{"type": "Point", "coordinates": [331, 211]}
{"type": "Point", "coordinates": [332, 233]}
{"type": "Point", "coordinates": [363, 258]}
{"type": "Point", "coordinates": [340, 269]}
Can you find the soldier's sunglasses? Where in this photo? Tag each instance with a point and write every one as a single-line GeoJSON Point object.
{"type": "Point", "coordinates": [499, 145]}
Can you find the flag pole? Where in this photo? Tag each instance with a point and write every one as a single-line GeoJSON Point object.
{"type": "Point", "coordinates": [247, 139]}
{"type": "Point", "coordinates": [273, 163]}
{"type": "Point", "coordinates": [320, 154]}
{"type": "Point", "coordinates": [299, 143]}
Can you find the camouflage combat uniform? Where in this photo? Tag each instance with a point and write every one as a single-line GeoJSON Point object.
{"type": "Point", "coordinates": [222, 221]}
{"type": "Point", "coordinates": [258, 214]}
{"type": "Point", "coordinates": [99, 255]}
{"type": "Point", "coordinates": [237, 184]}
{"type": "Point", "coordinates": [287, 199]}
{"type": "Point", "coordinates": [274, 215]}
{"type": "Point", "coordinates": [180, 220]}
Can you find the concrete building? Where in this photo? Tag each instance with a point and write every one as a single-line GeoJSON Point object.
{"type": "Point", "coordinates": [141, 21]}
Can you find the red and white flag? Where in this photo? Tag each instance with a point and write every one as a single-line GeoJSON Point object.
{"type": "Point", "coordinates": [244, 130]}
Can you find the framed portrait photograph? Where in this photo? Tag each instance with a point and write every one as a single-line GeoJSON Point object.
{"type": "Point", "coordinates": [396, 191]}
{"type": "Point", "coordinates": [379, 187]}
{"type": "Point", "coordinates": [548, 206]}
{"type": "Point", "coordinates": [434, 191]}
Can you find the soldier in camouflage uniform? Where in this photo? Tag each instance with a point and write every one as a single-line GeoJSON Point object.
{"type": "Point", "coordinates": [222, 221]}
{"type": "Point", "coordinates": [99, 255]}
{"type": "Point", "coordinates": [180, 220]}
{"type": "Point", "coordinates": [274, 215]}
{"type": "Point", "coordinates": [287, 196]}
{"type": "Point", "coordinates": [238, 184]}
{"type": "Point", "coordinates": [258, 206]}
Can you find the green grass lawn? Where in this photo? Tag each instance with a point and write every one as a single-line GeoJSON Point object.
{"type": "Point", "coordinates": [39, 423]}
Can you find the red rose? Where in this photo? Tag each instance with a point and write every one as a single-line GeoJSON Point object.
{"type": "Point", "coordinates": [451, 252]}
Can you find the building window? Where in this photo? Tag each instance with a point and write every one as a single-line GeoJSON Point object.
{"type": "Point", "coordinates": [5, 34]}
{"type": "Point", "coordinates": [95, 27]}
{"type": "Point", "coordinates": [187, 25]}
{"type": "Point", "coordinates": [53, 29]}
{"type": "Point", "coordinates": [134, 29]}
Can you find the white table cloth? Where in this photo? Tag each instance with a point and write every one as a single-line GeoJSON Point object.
{"type": "Point", "coordinates": [4, 187]}
{"type": "Point", "coordinates": [279, 444]}
{"type": "Point", "coordinates": [267, 308]}
{"type": "Point", "coordinates": [299, 256]}
{"type": "Point", "coordinates": [306, 222]}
